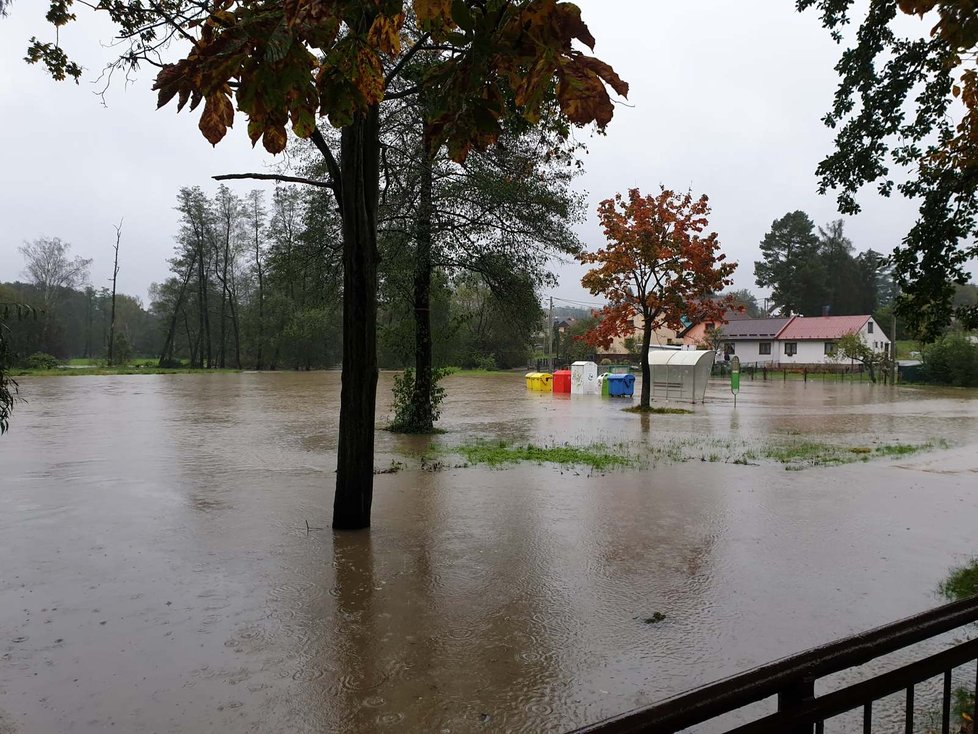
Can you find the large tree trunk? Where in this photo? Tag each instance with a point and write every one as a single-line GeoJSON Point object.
{"type": "Point", "coordinates": [422, 398]}
{"type": "Point", "coordinates": [646, 370]}
{"type": "Point", "coordinates": [359, 164]}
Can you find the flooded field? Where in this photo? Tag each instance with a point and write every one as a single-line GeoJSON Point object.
{"type": "Point", "coordinates": [163, 566]}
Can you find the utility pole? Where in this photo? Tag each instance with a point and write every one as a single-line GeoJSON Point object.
{"type": "Point", "coordinates": [550, 329]}
{"type": "Point", "coordinates": [893, 340]}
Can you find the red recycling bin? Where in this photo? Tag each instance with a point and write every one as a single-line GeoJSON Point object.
{"type": "Point", "coordinates": [562, 381]}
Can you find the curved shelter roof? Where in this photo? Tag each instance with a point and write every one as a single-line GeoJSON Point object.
{"type": "Point", "coordinates": [822, 327]}
{"type": "Point", "coordinates": [676, 358]}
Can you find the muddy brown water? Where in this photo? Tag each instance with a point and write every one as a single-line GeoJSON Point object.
{"type": "Point", "coordinates": [157, 574]}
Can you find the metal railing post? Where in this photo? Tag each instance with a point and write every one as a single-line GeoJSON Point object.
{"type": "Point", "coordinates": [796, 695]}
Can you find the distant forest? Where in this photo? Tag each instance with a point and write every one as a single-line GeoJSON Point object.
{"type": "Point", "coordinates": [256, 284]}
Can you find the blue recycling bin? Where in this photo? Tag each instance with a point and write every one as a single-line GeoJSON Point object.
{"type": "Point", "coordinates": [620, 386]}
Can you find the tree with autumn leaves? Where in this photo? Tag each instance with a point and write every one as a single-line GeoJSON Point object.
{"type": "Point", "coordinates": [657, 265]}
{"type": "Point", "coordinates": [289, 63]}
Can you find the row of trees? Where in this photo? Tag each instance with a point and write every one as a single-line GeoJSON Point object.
{"type": "Point", "coordinates": [257, 283]}
{"type": "Point", "coordinates": [66, 315]}
{"type": "Point", "coordinates": [819, 272]}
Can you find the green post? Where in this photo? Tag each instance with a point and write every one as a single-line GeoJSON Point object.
{"type": "Point", "coordinates": [735, 377]}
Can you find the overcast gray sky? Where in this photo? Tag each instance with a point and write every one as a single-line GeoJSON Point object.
{"type": "Point", "coordinates": [726, 98]}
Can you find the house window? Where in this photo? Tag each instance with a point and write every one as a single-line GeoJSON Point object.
{"type": "Point", "coordinates": [869, 327]}
{"type": "Point", "coordinates": [764, 348]}
{"type": "Point", "coordinates": [830, 347]}
{"type": "Point", "coordinates": [728, 348]}
{"type": "Point", "coordinates": [790, 349]}
{"type": "Point", "coordinates": [710, 325]}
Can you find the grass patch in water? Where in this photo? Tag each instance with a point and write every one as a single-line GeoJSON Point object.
{"type": "Point", "coordinates": [655, 410]}
{"type": "Point", "coordinates": [812, 453]}
{"type": "Point", "coordinates": [961, 582]}
{"type": "Point", "coordinates": [498, 453]}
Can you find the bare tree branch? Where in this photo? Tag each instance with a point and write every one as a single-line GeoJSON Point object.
{"type": "Point", "coordinates": [277, 177]}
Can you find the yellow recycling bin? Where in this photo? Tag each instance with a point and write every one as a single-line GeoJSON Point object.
{"type": "Point", "coordinates": [539, 381]}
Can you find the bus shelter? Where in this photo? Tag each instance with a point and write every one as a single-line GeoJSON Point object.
{"type": "Point", "coordinates": [680, 375]}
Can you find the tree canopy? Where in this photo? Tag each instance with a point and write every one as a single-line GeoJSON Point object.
{"type": "Point", "coordinates": [286, 64]}
{"type": "Point", "coordinates": [911, 102]}
{"type": "Point", "coordinates": [811, 273]}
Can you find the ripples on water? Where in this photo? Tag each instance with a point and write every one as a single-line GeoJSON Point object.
{"type": "Point", "coordinates": [482, 600]}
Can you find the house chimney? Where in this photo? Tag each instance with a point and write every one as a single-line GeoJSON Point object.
{"type": "Point", "coordinates": [826, 310]}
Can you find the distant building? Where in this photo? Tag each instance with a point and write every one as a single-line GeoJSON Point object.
{"type": "Point", "coordinates": [812, 339]}
{"type": "Point", "coordinates": [618, 350]}
{"type": "Point", "coordinates": [795, 340]}
{"type": "Point", "coordinates": [753, 340]}
{"type": "Point", "coordinates": [695, 335]}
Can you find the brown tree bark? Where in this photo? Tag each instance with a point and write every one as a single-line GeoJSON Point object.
{"type": "Point", "coordinates": [646, 401]}
{"type": "Point", "coordinates": [422, 398]}
{"type": "Point", "coordinates": [359, 193]}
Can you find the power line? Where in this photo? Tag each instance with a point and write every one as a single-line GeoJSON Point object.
{"type": "Point", "coordinates": [579, 303]}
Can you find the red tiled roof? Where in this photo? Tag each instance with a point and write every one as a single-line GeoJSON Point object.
{"type": "Point", "coordinates": [821, 327]}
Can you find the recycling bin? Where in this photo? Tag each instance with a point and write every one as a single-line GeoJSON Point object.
{"type": "Point", "coordinates": [584, 378]}
{"type": "Point", "coordinates": [539, 381]}
{"type": "Point", "coordinates": [621, 386]}
{"type": "Point", "coordinates": [562, 381]}
{"type": "Point", "coordinates": [603, 384]}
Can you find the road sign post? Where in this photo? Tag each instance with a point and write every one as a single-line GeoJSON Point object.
{"type": "Point", "coordinates": [735, 377]}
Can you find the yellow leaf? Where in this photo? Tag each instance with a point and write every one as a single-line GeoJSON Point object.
{"type": "Point", "coordinates": [217, 117]}
{"type": "Point", "coordinates": [385, 34]}
{"type": "Point", "coordinates": [274, 139]}
{"type": "Point", "coordinates": [437, 12]}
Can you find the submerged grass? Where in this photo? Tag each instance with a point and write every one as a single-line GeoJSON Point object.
{"type": "Point", "coordinates": [961, 582]}
{"type": "Point", "coordinates": [812, 453]}
{"type": "Point", "coordinates": [498, 453]}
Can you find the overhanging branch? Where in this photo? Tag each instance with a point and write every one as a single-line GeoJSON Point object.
{"type": "Point", "coordinates": [277, 177]}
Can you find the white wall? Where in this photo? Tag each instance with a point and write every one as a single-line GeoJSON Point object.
{"type": "Point", "coordinates": [809, 352]}
{"type": "Point", "coordinates": [812, 351]}
{"type": "Point", "coordinates": [877, 340]}
{"type": "Point", "coordinates": [749, 351]}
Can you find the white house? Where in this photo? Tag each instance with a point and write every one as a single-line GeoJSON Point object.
{"type": "Point", "coordinates": [796, 340]}
{"type": "Point", "coordinates": [813, 339]}
{"type": "Point", "coordinates": [752, 340]}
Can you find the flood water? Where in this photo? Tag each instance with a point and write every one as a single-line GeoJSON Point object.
{"type": "Point", "coordinates": [157, 573]}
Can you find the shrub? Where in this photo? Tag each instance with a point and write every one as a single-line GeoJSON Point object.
{"type": "Point", "coordinates": [407, 418]}
{"type": "Point", "coordinates": [41, 361]}
{"type": "Point", "coordinates": [486, 362]}
{"type": "Point", "coordinates": [121, 350]}
{"type": "Point", "coordinates": [952, 360]}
